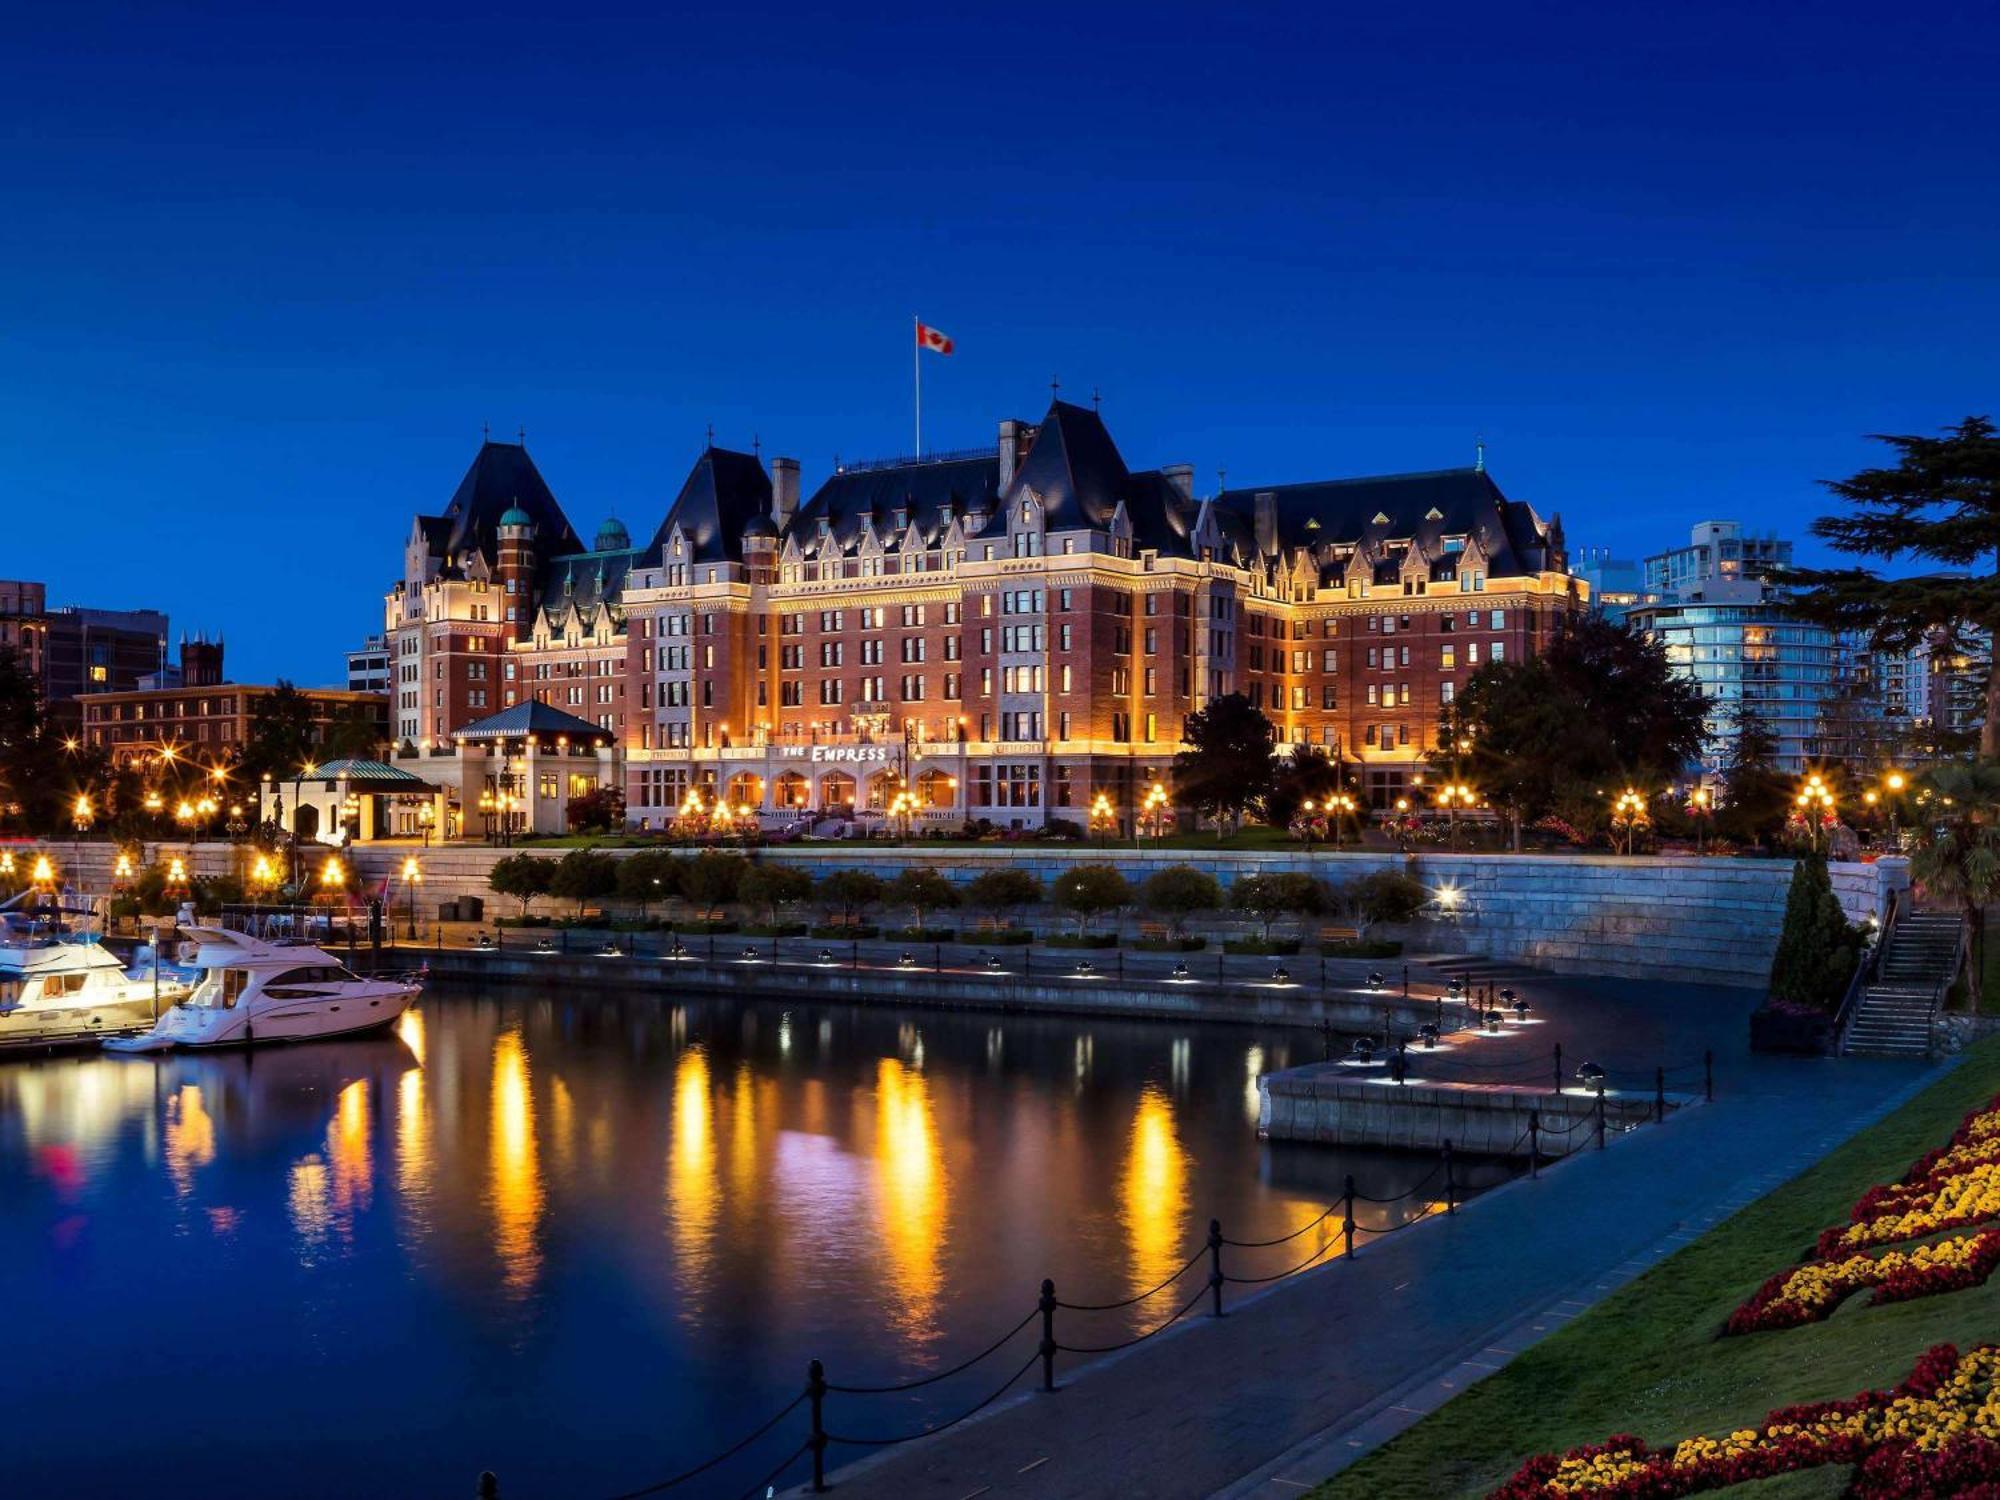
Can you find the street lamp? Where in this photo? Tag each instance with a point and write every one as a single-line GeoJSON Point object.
{"type": "Point", "coordinates": [1454, 795]}
{"type": "Point", "coordinates": [413, 875]}
{"type": "Point", "coordinates": [1103, 817]}
{"type": "Point", "coordinates": [80, 814]}
{"type": "Point", "coordinates": [1894, 782]}
{"type": "Point", "coordinates": [1815, 804]}
{"type": "Point", "coordinates": [426, 816]}
{"type": "Point", "coordinates": [1701, 807]}
{"type": "Point", "coordinates": [43, 875]}
{"type": "Point", "coordinates": [1153, 813]}
{"type": "Point", "coordinates": [332, 875]}
{"type": "Point", "coordinates": [1628, 813]}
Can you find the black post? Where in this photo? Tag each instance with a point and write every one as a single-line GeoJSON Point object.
{"type": "Point", "coordinates": [1326, 1041]}
{"type": "Point", "coordinates": [937, 958]}
{"type": "Point", "coordinates": [1559, 1067]}
{"type": "Point", "coordinates": [853, 952]}
{"type": "Point", "coordinates": [1218, 966]}
{"type": "Point", "coordinates": [1406, 985]}
{"type": "Point", "coordinates": [489, 1486]}
{"type": "Point", "coordinates": [1215, 1266]}
{"type": "Point", "coordinates": [816, 1390]}
{"type": "Point", "coordinates": [1659, 1095]}
{"type": "Point", "coordinates": [1322, 973]}
{"type": "Point", "coordinates": [774, 947]}
{"type": "Point", "coordinates": [1347, 1216]}
{"type": "Point", "coordinates": [1450, 1186]}
{"type": "Point", "coordinates": [1708, 1075]}
{"type": "Point", "coordinates": [1600, 1117]}
{"type": "Point", "coordinates": [1534, 1143]}
{"type": "Point", "coordinates": [1438, 1019]}
{"type": "Point", "coordinates": [1048, 1306]}
{"type": "Point", "coordinates": [1121, 963]}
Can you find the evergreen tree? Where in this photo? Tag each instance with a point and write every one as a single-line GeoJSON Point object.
{"type": "Point", "coordinates": [1756, 795]}
{"type": "Point", "coordinates": [1959, 854]}
{"type": "Point", "coordinates": [1817, 947]}
{"type": "Point", "coordinates": [1940, 502]}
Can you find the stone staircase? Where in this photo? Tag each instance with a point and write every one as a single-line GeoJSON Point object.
{"type": "Point", "coordinates": [1893, 1016]}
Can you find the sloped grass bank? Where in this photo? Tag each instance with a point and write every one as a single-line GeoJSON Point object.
{"type": "Point", "coordinates": [1648, 1359]}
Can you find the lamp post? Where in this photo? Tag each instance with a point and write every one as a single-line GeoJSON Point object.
{"type": "Point", "coordinates": [1309, 807]}
{"type": "Point", "coordinates": [81, 813]}
{"type": "Point", "coordinates": [1628, 812]}
{"type": "Point", "coordinates": [1815, 803]}
{"type": "Point", "coordinates": [1102, 815]}
{"type": "Point", "coordinates": [1454, 795]}
{"type": "Point", "coordinates": [1153, 813]}
{"type": "Point", "coordinates": [426, 816]}
{"type": "Point", "coordinates": [1339, 807]}
{"type": "Point", "coordinates": [413, 875]}
{"type": "Point", "coordinates": [1894, 783]}
{"type": "Point", "coordinates": [1701, 807]}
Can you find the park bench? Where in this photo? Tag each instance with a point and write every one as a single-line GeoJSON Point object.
{"type": "Point", "coordinates": [992, 924]}
{"type": "Point", "coordinates": [1156, 932]}
{"type": "Point", "coordinates": [1340, 934]}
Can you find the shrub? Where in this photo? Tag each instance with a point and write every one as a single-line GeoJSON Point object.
{"type": "Point", "coordinates": [1085, 891]}
{"type": "Point", "coordinates": [1062, 828]}
{"type": "Point", "coordinates": [1082, 940]}
{"type": "Point", "coordinates": [1366, 948]}
{"type": "Point", "coordinates": [1265, 946]}
{"type": "Point", "coordinates": [598, 811]}
{"type": "Point", "coordinates": [1171, 945]}
{"type": "Point", "coordinates": [1177, 893]}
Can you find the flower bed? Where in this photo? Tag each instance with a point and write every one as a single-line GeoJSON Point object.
{"type": "Point", "coordinates": [1938, 1434]}
{"type": "Point", "coordinates": [1807, 1293]}
{"type": "Point", "coordinates": [1953, 1187]}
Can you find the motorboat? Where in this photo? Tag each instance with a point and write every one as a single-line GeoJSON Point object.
{"type": "Point", "coordinates": [254, 991]}
{"type": "Point", "coordinates": [60, 986]}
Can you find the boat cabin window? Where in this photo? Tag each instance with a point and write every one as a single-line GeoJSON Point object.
{"type": "Point", "coordinates": [10, 993]}
{"type": "Point", "coordinates": [56, 986]}
{"type": "Point", "coordinates": [221, 989]}
{"type": "Point", "coordinates": [296, 984]}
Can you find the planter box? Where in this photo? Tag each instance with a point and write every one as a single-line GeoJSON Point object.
{"type": "Point", "coordinates": [1808, 1033]}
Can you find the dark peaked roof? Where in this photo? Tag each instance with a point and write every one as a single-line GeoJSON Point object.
{"type": "Point", "coordinates": [525, 719]}
{"type": "Point", "coordinates": [1422, 509]}
{"type": "Point", "coordinates": [1074, 469]}
{"type": "Point", "coordinates": [930, 495]}
{"type": "Point", "coordinates": [502, 477]}
{"type": "Point", "coordinates": [723, 492]}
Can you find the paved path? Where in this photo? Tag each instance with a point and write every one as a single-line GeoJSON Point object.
{"type": "Point", "coordinates": [1291, 1385]}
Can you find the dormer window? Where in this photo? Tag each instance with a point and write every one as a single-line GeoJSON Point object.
{"type": "Point", "coordinates": [1027, 514]}
{"type": "Point", "coordinates": [902, 518]}
{"type": "Point", "coordinates": [1454, 544]}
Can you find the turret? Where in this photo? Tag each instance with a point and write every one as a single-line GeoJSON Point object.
{"type": "Point", "coordinates": [515, 571]}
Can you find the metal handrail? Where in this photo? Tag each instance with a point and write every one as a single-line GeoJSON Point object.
{"type": "Point", "coordinates": [1959, 959]}
{"type": "Point", "coordinates": [1864, 975]}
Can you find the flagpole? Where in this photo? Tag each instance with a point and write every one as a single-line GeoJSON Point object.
{"type": "Point", "coordinates": [917, 371]}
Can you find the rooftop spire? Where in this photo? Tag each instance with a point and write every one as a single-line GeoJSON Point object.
{"type": "Point", "coordinates": [1479, 461]}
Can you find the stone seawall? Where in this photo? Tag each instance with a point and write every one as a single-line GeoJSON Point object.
{"type": "Point", "coordinates": [1701, 920]}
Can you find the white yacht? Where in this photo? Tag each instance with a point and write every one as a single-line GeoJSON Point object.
{"type": "Point", "coordinates": [254, 990]}
{"type": "Point", "coordinates": [60, 986]}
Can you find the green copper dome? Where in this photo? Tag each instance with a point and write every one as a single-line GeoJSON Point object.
{"type": "Point", "coordinates": [612, 537]}
{"type": "Point", "coordinates": [513, 515]}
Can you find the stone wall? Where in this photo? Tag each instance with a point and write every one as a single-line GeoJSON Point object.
{"type": "Point", "coordinates": [1704, 920]}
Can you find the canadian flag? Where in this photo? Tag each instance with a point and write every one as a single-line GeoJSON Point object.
{"type": "Point", "coordinates": [932, 339]}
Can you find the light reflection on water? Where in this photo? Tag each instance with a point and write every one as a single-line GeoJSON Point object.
{"type": "Point", "coordinates": [576, 1241]}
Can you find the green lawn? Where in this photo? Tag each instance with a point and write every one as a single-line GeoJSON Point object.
{"type": "Point", "coordinates": [1647, 1359]}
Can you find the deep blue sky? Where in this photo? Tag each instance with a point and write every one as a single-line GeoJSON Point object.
{"type": "Point", "coordinates": [265, 271]}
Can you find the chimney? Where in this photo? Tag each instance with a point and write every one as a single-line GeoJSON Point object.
{"type": "Point", "coordinates": [1267, 521]}
{"type": "Point", "coordinates": [1010, 452]}
{"type": "Point", "coordinates": [1181, 477]}
{"type": "Point", "coordinates": [784, 490]}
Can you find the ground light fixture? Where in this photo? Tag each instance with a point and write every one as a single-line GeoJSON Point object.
{"type": "Point", "coordinates": [611, 949]}
{"type": "Point", "coordinates": [1493, 1020]}
{"type": "Point", "coordinates": [1456, 989]}
{"type": "Point", "coordinates": [1591, 1076]}
{"type": "Point", "coordinates": [678, 950]}
{"type": "Point", "coordinates": [1521, 1011]}
{"type": "Point", "coordinates": [1363, 1050]}
{"type": "Point", "coordinates": [992, 960]}
{"type": "Point", "coordinates": [1281, 975]}
{"type": "Point", "coordinates": [484, 940]}
{"type": "Point", "coordinates": [1428, 1034]}
{"type": "Point", "coordinates": [1374, 979]}
{"type": "Point", "coordinates": [825, 955]}
{"type": "Point", "coordinates": [545, 945]}
{"type": "Point", "coordinates": [1180, 970]}
{"type": "Point", "coordinates": [906, 960]}
{"type": "Point", "coordinates": [1085, 967]}
{"type": "Point", "coordinates": [749, 955]}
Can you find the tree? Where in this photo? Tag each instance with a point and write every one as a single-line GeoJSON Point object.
{"type": "Point", "coordinates": [599, 810]}
{"type": "Point", "coordinates": [710, 880]}
{"type": "Point", "coordinates": [1817, 946]}
{"type": "Point", "coordinates": [1305, 775]}
{"type": "Point", "coordinates": [1756, 795]}
{"type": "Point", "coordinates": [281, 736]}
{"type": "Point", "coordinates": [34, 786]}
{"type": "Point", "coordinates": [1958, 856]}
{"type": "Point", "coordinates": [584, 875]}
{"type": "Point", "coordinates": [922, 889]}
{"type": "Point", "coordinates": [848, 894]}
{"type": "Point", "coordinates": [773, 886]}
{"type": "Point", "coordinates": [1387, 896]}
{"type": "Point", "coordinates": [355, 733]}
{"type": "Point", "coordinates": [1177, 893]}
{"type": "Point", "coordinates": [1003, 891]}
{"type": "Point", "coordinates": [1939, 502]}
{"type": "Point", "coordinates": [1084, 891]}
{"type": "Point", "coordinates": [648, 876]}
{"type": "Point", "coordinates": [1600, 706]}
{"type": "Point", "coordinates": [1269, 897]}
{"type": "Point", "coordinates": [522, 876]}
{"type": "Point", "coordinates": [1227, 765]}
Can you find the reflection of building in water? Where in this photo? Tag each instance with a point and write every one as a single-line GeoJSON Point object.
{"type": "Point", "coordinates": [515, 1187]}
{"type": "Point", "coordinates": [910, 1172]}
{"type": "Point", "coordinates": [1153, 1194]}
{"type": "Point", "coordinates": [1253, 1068]}
{"type": "Point", "coordinates": [190, 1137]}
{"type": "Point", "coordinates": [692, 1193]}
{"type": "Point", "coordinates": [413, 1129]}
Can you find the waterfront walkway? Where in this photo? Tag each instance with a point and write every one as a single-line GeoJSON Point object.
{"type": "Point", "coordinates": [1291, 1386]}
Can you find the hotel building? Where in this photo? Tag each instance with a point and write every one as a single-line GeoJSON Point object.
{"type": "Point", "coordinates": [1004, 633]}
